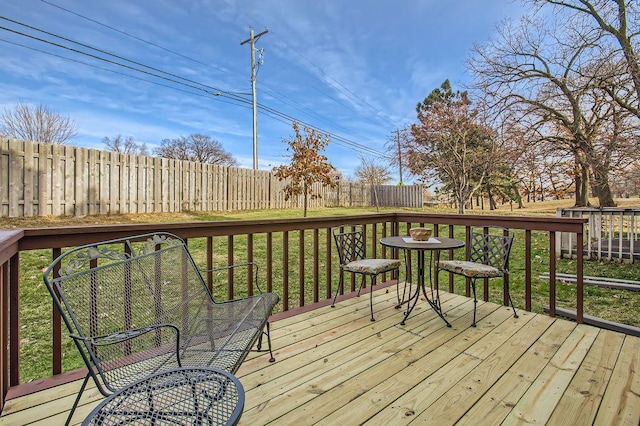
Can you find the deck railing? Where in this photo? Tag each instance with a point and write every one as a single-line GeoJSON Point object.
{"type": "Point", "coordinates": [612, 233]}
{"type": "Point", "coordinates": [297, 259]}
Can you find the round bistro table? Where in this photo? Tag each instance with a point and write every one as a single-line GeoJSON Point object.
{"type": "Point", "coordinates": [184, 396]}
{"type": "Point", "coordinates": [433, 244]}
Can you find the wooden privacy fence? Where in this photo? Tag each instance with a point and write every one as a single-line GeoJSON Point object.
{"type": "Point", "coordinates": [44, 179]}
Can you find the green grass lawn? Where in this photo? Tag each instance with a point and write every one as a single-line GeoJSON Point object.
{"type": "Point", "coordinates": [36, 303]}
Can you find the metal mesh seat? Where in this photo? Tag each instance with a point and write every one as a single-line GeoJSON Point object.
{"type": "Point", "coordinates": [353, 258]}
{"type": "Point", "coordinates": [139, 306]}
{"type": "Point", "coordinates": [488, 258]}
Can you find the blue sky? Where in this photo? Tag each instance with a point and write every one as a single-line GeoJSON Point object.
{"type": "Point", "coordinates": [353, 68]}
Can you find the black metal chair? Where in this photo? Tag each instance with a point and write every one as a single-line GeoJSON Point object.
{"type": "Point", "coordinates": [488, 258]}
{"type": "Point", "coordinates": [139, 306]}
{"type": "Point", "coordinates": [353, 258]}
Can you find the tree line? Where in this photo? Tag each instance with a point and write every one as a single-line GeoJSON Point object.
{"type": "Point", "coordinates": [553, 109]}
{"type": "Point", "coordinates": [41, 124]}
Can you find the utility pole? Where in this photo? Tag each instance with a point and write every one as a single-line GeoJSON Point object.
{"type": "Point", "coordinates": [252, 39]}
{"type": "Point", "coordinates": [399, 154]}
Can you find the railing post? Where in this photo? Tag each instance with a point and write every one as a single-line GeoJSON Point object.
{"type": "Point", "coordinates": [552, 273]}
{"type": "Point", "coordinates": [328, 245]}
{"type": "Point", "coordinates": [316, 265]}
{"type": "Point", "coordinates": [230, 261]}
{"type": "Point", "coordinates": [210, 264]}
{"type": "Point", "coordinates": [580, 279]}
{"type": "Point", "coordinates": [285, 271]}
{"type": "Point", "coordinates": [14, 320]}
{"type": "Point", "coordinates": [505, 283]}
{"type": "Point", "coordinates": [527, 270]}
{"type": "Point", "coordinates": [467, 254]}
{"type": "Point", "coordinates": [4, 330]}
{"type": "Point", "coordinates": [56, 323]}
{"type": "Point", "coordinates": [250, 272]}
{"type": "Point", "coordinates": [269, 261]}
{"type": "Point", "coordinates": [301, 268]}
{"type": "Point", "coordinates": [451, 279]}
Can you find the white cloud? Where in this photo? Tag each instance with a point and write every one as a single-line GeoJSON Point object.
{"type": "Point", "coordinates": [318, 54]}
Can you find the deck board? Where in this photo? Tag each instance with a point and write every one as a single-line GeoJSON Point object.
{"type": "Point", "coordinates": [335, 366]}
{"type": "Point", "coordinates": [581, 400]}
{"type": "Point", "coordinates": [538, 403]}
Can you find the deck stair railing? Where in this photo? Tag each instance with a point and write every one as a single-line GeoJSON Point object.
{"type": "Point", "coordinates": [611, 234]}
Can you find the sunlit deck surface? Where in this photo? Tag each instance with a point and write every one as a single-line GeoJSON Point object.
{"type": "Point", "coordinates": [335, 366]}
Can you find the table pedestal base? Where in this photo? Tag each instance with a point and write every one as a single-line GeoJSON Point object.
{"type": "Point", "coordinates": [434, 302]}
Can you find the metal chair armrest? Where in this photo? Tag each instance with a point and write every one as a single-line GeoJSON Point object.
{"type": "Point", "coordinates": [123, 336]}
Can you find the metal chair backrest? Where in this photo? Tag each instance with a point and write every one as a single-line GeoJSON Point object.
{"type": "Point", "coordinates": [350, 244]}
{"type": "Point", "coordinates": [119, 285]}
{"type": "Point", "coordinates": [491, 249]}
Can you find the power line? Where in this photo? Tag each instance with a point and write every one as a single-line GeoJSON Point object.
{"type": "Point", "coordinates": [99, 50]}
{"type": "Point", "coordinates": [187, 83]}
{"type": "Point", "coordinates": [132, 36]}
{"type": "Point", "coordinates": [299, 107]}
{"type": "Point", "coordinates": [355, 145]}
{"type": "Point", "coordinates": [355, 98]}
{"type": "Point", "coordinates": [274, 93]}
{"type": "Point", "coordinates": [346, 91]}
{"type": "Point", "coordinates": [207, 96]}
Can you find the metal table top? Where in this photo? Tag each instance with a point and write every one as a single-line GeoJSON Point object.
{"type": "Point", "coordinates": [190, 395]}
{"type": "Point", "coordinates": [408, 244]}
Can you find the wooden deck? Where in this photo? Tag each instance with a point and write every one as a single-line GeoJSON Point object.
{"type": "Point", "coordinates": [335, 366]}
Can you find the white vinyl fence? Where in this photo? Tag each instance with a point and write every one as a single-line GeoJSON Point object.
{"type": "Point", "coordinates": [612, 233]}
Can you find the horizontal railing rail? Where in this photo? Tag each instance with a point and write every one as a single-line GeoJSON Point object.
{"type": "Point", "coordinates": [297, 260]}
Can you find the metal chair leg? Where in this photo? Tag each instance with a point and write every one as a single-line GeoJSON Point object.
{"type": "Point", "coordinates": [362, 283]}
{"type": "Point", "coordinates": [515, 314]}
{"type": "Point", "coordinates": [340, 285]}
{"type": "Point", "coordinates": [398, 289]}
{"type": "Point", "coordinates": [271, 359]}
{"type": "Point", "coordinates": [373, 283]}
{"type": "Point", "coordinates": [268, 334]}
{"type": "Point", "coordinates": [475, 302]}
{"type": "Point", "coordinates": [75, 404]}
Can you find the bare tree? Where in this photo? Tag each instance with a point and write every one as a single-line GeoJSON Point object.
{"type": "Point", "coordinates": [544, 72]}
{"type": "Point", "coordinates": [619, 21]}
{"type": "Point", "coordinates": [196, 147]}
{"type": "Point", "coordinates": [372, 172]}
{"type": "Point", "coordinates": [37, 124]}
{"type": "Point", "coordinates": [539, 169]}
{"type": "Point", "coordinates": [394, 144]}
{"type": "Point", "coordinates": [307, 166]}
{"type": "Point", "coordinates": [125, 145]}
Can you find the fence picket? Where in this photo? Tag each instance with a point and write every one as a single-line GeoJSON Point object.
{"type": "Point", "coordinates": [42, 179]}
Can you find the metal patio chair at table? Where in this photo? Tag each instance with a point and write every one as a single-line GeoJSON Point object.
{"type": "Point", "coordinates": [139, 306]}
{"type": "Point", "coordinates": [353, 258]}
{"type": "Point", "coordinates": [488, 258]}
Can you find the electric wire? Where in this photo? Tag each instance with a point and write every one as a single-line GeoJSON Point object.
{"type": "Point", "coordinates": [98, 50]}
{"type": "Point", "coordinates": [297, 106]}
{"type": "Point", "coordinates": [188, 83]}
{"type": "Point", "coordinates": [207, 96]}
{"type": "Point", "coordinates": [350, 93]}
{"type": "Point", "coordinates": [274, 93]}
{"type": "Point", "coordinates": [132, 36]}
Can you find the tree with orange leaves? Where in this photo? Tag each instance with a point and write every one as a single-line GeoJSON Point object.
{"type": "Point", "coordinates": [308, 165]}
